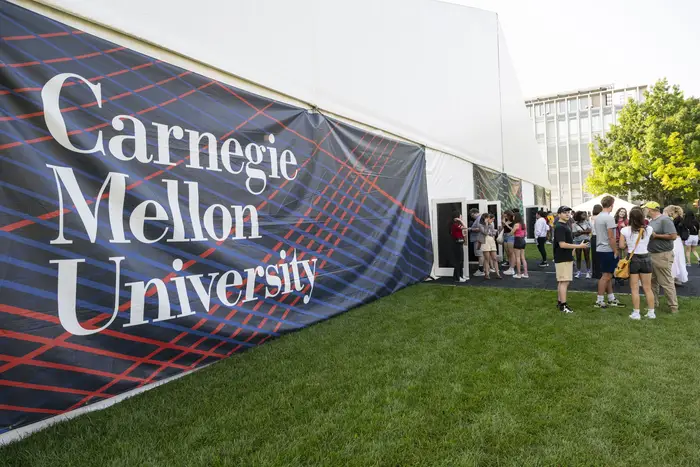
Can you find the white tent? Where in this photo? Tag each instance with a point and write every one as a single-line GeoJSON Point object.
{"type": "Point", "coordinates": [431, 72]}
{"type": "Point", "coordinates": [588, 205]}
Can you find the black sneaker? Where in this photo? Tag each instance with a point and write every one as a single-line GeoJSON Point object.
{"type": "Point", "coordinates": [544, 265]}
{"type": "Point", "coordinates": [601, 305]}
{"type": "Point", "coordinates": [615, 303]}
{"type": "Point", "coordinates": [566, 309]}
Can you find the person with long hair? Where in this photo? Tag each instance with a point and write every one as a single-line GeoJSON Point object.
{"type": "Point", "coordinates": [621, 221]}
{"type": "Point", "coordinates": [489, 248]}
{"type": "Point", "coordinates": [508, 241]}
{"type": "Point", "coordinates": [634, 239]}
{"type": "Point", "coordinates": [520, 231]}
{"type": "Point", "coordinates": [541, 231]}
{"type": "Point", "coordinates": [679, 271]}
{"type": "Point", "coordinates": [457, 229]}
{"type": "Point", "coordinates": [582, 233]}
{"type": "Point", "coordinates": [691, 245]}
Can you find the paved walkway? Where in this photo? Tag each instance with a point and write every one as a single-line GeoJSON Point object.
{"type": "Point", "coordinates": [544, 278]}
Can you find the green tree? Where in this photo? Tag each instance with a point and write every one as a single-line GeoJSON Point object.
{"type": "Point", "coordinates": [653, 150]}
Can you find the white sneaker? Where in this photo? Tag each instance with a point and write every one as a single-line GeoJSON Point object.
{"type": "Point", "coordinates": [635, 315]}
{"type": "Point", "coordinates": [650, 315]}
{"type": "Point", "coordinates": [517, 276]}
{"type": "Point", "coordinates": [509, 272]}
{"type": "Point", "coordinates": [463, 279]}
{"type": "Point", "coordinates": [578, 275]}
{"type": "Point", "coordinates": [479, 274]}
{"type": "Point", "coordinates": [525, 276]}
{"type": "Point", "coordinates": [493, 271]}
{"type": "Point", "coordinates": [588, 275]}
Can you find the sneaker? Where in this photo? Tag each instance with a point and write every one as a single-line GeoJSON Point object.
{"type": "Point", "coordinates": [526, 276]}
{"type": "Point", "coordinates": [566, 309]}
{"type": "Point", "coordinates": [601, 305]}
{"type": "Point", "coordinates": [479, 274]}
{"type": "Point", "coordinates": [493, 271]}
{"type": "Point", "coordinates": [463, 279]}
{"type": "Point", "coordinates": [650, 315]}
{"type": "Point", "coordinates": [635, 315]}
{"type": "Point", "coordinates": [517, 276]}
{"type": "Point", "coordinates": [577, 275]}
{"type": "Point", "coordinates": [509, 272]}
{"type": "Point", "coordinates": [505, 264]}
{"type": "Point", "coordinates": [588, 275]}
{"type": "Point", "coordinates": [615, 303]}
{"type": "Point", "coordinates": [544, 265]}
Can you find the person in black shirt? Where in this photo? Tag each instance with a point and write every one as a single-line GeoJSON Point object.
{"type": "Point", "coordinates": [691, 244]}
{"type": "Point", "coordinates": [563, 243]}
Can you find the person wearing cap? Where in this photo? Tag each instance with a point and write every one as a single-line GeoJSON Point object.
{"type": "Point", "coordinates": [661, 251]}
{"type": "Point", "coordinates": [606, 246]}
{"type": "Point", "coordinates": [563, 244]}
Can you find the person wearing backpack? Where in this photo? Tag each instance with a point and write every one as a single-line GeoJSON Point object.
{"type": "Point", "coordinates": [691, 243]}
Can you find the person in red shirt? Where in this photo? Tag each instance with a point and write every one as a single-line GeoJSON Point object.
{"type": "Point", "coordinates": [457, 229]}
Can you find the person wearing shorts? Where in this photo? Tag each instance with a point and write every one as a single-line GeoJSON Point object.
{"type": "Point", "coordinates": [519, 232]}
{"type": "Point", "coordinates": [606, 249]}
{"type": "Point", "coordinates": [634, 240]}
{"type": "Point", "coordinates": [691, 245]}
{"type": "Point", "coordinates": [563, 244]}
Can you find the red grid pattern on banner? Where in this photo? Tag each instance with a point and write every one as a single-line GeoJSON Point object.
{"type": "Point", "coordinates": [31, 358]}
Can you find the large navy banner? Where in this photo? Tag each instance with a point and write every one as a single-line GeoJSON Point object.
{"type": "Point", "coordinates": [154, 220]}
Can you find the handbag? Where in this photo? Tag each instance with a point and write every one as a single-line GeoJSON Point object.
{"type": "Point", "coordinates": [499, 239]}
{"type": "Point", "coordinates": [622, 271]}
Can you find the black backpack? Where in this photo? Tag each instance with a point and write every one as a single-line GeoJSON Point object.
{"type": "Point", "coordinates": [683, 231]}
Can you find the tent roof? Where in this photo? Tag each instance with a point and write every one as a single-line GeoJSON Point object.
{"type": "Point", "coordinates": [433, 72]}
{"type": "Point", "coordinates": [619, 203]}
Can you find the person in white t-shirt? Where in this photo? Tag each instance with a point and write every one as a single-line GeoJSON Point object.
{"type": "Point", "coordinates": [635, 239]}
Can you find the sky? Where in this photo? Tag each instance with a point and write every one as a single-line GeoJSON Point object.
{"type": "Point", "coordinates": [564, 45]}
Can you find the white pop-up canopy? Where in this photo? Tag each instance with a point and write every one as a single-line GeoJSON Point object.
{"type": "Point", "coordinates": [588, 205]}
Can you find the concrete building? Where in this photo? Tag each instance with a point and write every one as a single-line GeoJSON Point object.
{"type": "Point", "coordinates": [565, 124]}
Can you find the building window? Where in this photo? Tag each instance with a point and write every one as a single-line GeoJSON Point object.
{"type": "Point", "coordinates": [595, 123]}
{"type": "Point", "coordinates": [596, 101]}
{"type": "Point", "coordinates": [548, 108]}
{"type": "Point", "coordinates": [539, 128]}
{"type": "Point", "coordinates": [573, 105]}
{"type": "Point", "coordinates": [562, 129]}
{"type": "Point", "coordinates": [585, 126]}
{"type": "Point", "coordinates": [561, 107]}
{"type": "Point", "coordinates": [607, 121]}
{"type": "Point", "coordinates": [584, 103]}
{"type": "Point", "coordinates": [573, 127]}
{"type": "Point", "coordinates": [608, 99]}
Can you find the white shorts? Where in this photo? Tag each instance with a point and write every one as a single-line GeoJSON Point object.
{"type": "Point", "coordinates": [693, 240]}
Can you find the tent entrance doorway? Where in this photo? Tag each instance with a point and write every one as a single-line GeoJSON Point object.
{"type": "Point", "coordinates": [442, 242]}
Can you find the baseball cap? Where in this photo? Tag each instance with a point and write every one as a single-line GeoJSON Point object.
{"type": "Point", "coordinates": [652, 205]}
{"type": "Point", "coordinates": [563, 209]}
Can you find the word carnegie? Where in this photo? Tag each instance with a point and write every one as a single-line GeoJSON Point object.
{"type": "Point", "coordinates": [177, 218]}
{"type": "Point", "coordinates": [231, 157]}
{"type": "Point", "coordinates": [279, 279]}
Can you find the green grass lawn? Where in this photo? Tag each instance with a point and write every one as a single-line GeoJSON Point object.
{"type": "Point", "coordinates": [531, 252]}
{"type": "Point", "coordinates": [432, 375]}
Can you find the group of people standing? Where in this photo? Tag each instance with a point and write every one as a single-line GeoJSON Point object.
{"type": "Point", "coordinates": [483, 234]}
{"type": "Point", "coordinates": [645, 236]}
{"type": "Point", "coordinates": [657, 243]}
